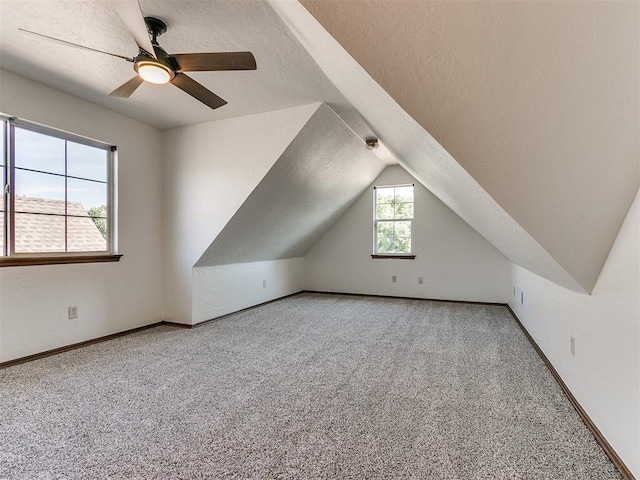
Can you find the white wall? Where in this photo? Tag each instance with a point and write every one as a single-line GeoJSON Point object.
{"type": "Point", "coordinates": [228, 288]}
{"type": "Point", "coordinates": [209, 170]}
{"type": "Point", "coordinates": [604, 374]}
{"type": "Point", "coordinates": [454, 260]}
{"type": "Point", "coordinates": [111, 297]}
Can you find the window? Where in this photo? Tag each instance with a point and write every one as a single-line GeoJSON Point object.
{"type": "Point", "coordinates": [57, 204]}
{"type": "Point", "coordinates": [393, 221]}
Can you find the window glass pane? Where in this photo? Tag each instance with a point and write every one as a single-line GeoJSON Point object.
{"type": "Point", "coordinates": [384, 211]}
{"type": "Point", "coordinates": [86, 162]}
{"type": "Point", "coordinates": [385, 237]}
{"type": "Point", "coordinates": [385, 245]}
{"type": "Point", "coordinates": [37, 233]}
{"type": "Point", "coordinates": [39, 192]}
{"type": "Point", "coordinates": [402, 245]}
{"type": "Point", "coordinates": [36, 151]}
{"type": "Point", "coordinates": [84, 195]}
{"type": "Point", "coordinates": [99, 217]}
{"type": "Point", "coordinates": [404, 210]}
{"type": "Point", "coordinates": [384, 195]}
{"type": "Point", "coordinates": [404, 194]}
{"type": "Point", "coordinates": [83, 235]}
{"type": "Point", "coordinates": [402, 229]}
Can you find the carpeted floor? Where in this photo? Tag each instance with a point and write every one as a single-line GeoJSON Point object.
{"type": "Point", "coordinates": [312, 386]}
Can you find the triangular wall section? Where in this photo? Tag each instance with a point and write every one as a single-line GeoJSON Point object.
{"type": "Point", "coordinates": [317, 177]}
{"type": "Point", "coordinates": [209, 171]}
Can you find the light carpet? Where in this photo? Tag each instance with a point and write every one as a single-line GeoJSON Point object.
{"type": "Point", "coordinates": [311, 386]}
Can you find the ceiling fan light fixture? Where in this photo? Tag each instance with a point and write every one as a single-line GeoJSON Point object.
{"type": "Point", "coordinates": [154, 65]}
{"type": "Point", "coordinates": [154, 73]}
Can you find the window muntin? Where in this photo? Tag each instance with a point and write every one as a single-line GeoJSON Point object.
{"type": "Point", "coordinates": [58, 192]}
{"type": "Point", "coordinates": [393, 220]}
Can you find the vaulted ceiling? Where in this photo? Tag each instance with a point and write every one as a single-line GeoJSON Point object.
{"type": "Point", "coordinates": [523, 117]}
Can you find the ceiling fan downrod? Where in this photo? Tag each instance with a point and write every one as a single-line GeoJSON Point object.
{"type": "Point", "coordinates": [155, 27]}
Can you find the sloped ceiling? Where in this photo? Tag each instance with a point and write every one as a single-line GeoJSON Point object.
{"type": "Point", "coordinates": [538, 101]}
{"type": "Point", "coordinates": [316, 179]}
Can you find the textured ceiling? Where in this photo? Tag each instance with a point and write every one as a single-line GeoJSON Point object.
{"type": "Point", "coordinates": [286, 74]}
{"type": "Point", "coordinates": [315, 180]}
{"type": "Point", "coordinates": [538, 101]}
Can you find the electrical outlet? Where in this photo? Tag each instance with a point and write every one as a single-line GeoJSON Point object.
{"type": "Point", "coordinates": [573, 346]}
{"type": "Point", "coordinates": [420, 280]}
{"type": "Point", "coordinates": [73, 312]}
{"type": "Point", "coordinates": [264, 283]}
{"type": "Point", "coordinates": [394, 279]}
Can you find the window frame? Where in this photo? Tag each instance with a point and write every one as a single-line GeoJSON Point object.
{"type": "Point", "coordinates": [387, 255]}
{"type": "Point", "coordinates": [8, 255]}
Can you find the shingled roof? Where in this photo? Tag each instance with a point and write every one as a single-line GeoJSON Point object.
{"type": "Point", "coordinates": [40, 227]}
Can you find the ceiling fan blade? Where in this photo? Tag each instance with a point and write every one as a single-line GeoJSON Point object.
{"type": "Point", "coordinates": [197, 91]}
{"type": "Point", "coordinates": [76, 45]}
{"type": "Point", "coordinates": [131, 15]}
{"type": "Point", "coordinates": [210, 62]}
{"type": "Point", "coordinates": [126, 89]}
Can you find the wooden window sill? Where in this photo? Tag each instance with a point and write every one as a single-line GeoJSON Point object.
{"type": "Point", "coordinates": [57, 260]}
{"type": "Point", "coordinates": [400, 257]}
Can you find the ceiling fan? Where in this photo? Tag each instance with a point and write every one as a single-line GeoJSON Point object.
{"type": "Point", "coordinates": [153, 64]}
